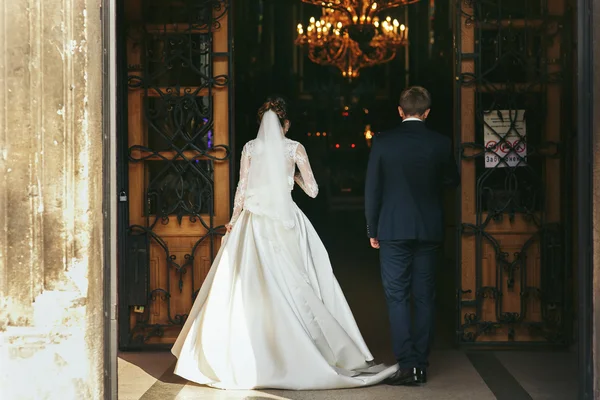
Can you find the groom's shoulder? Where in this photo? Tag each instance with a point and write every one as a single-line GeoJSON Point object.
{"type": "Point", "coordinates": [379, 138]}
{"type": "Point", "coordinates": [382, 135]}
{"type": "Point", "coordinates": [439, 137]}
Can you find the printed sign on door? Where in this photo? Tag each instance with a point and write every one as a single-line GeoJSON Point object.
{"type": "Point", "coordinates": [510, 126]}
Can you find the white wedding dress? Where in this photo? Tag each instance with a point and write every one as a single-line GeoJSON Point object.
{"type": "Point", "coordinates": [270, 313]}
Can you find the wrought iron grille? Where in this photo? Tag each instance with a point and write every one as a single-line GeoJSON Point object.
{"type": "Point", "coordinates": [178, 151]}
{"type": "Point", "coordinates": [513, 71]}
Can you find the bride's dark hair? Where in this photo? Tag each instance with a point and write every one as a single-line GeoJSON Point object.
{"type": "Point", "coordinates": [278, 105]}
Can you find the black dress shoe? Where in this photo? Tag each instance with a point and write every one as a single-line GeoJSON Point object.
{"type": "Point", "coordinates": [404, 376]}
{"type": "Point", "coordinates": [420, 375]}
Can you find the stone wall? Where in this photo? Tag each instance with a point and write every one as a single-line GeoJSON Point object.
{"type": "Point", "coordinates": [51, 316]}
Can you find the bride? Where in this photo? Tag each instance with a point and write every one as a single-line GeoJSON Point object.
{"type": "Point", "coordinates": [270, 313]}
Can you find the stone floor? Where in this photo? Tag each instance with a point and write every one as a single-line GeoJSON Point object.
{"type": "Point", "coordinates": [454, 374]}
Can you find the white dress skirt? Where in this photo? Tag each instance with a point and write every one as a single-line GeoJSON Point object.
{"type": "Point", "coordinates": [271, 314]}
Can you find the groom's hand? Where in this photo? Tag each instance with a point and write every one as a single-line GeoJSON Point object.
{"type": "Point", "coordinates": [374, 243]}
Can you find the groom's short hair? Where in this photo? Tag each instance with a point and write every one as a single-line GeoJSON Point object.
{"type": "Point", "coordinates": [415, 100]}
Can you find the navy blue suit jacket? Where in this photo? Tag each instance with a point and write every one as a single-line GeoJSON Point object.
{"type": "Point", "coordinates": [409, 167]}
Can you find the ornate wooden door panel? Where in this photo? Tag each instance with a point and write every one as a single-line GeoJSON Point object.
{"type": "Point", "coordinates": [513, 264]}
{"type": "Point", "coordinates": [176, 158]}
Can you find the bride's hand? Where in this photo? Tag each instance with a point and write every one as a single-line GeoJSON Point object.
{"type": "Point", "coordinates": [229, 227]}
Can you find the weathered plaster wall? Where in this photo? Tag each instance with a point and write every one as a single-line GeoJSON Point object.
{"type": "Point", "coordinates": [51, 315]}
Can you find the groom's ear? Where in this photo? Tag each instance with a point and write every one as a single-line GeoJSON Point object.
{"type": "Point", "coordinates": [401, 112]}
{"type": "Point", "coordinates": [426, 113]}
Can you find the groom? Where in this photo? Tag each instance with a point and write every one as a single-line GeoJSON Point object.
{"type": "Point", "coordinates": [408, 168]}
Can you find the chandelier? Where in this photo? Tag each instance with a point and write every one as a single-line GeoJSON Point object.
{"type": "Point", "coordinates": [361, 13]}
{"type": "Point", "coordinates": [332, 41]}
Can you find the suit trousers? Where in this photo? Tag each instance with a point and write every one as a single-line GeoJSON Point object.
{"type": "Point", "coordinates": [408, 267]}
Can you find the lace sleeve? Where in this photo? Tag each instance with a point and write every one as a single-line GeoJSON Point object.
{"type": "Point", "coordinates": [240, 193]}
{"type": "Point", "coordinates": [305, 178]}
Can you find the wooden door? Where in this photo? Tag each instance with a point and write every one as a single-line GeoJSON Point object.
{"type": "Point", "coordinates": [174, 162]}
{"type": "Point", "coordinates": [513, 91]}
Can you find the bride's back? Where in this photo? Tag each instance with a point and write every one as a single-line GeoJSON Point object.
{"type": "Point", "coordinates": [290, 152]}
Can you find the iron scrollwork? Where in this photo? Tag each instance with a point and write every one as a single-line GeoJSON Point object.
{"type": "Point", "coordinates": [513, 71]}
{"type": "Point", "coordinates": [177, 79]}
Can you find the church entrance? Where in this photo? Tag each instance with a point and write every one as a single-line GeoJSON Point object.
{"type": "Point", "coordinates": [509, 231]}
{"type": "Point", "coordinates": [509, 280]}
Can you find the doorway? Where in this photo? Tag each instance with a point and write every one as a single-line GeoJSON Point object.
{"type": "Point", "coordinates": [510, 241]}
